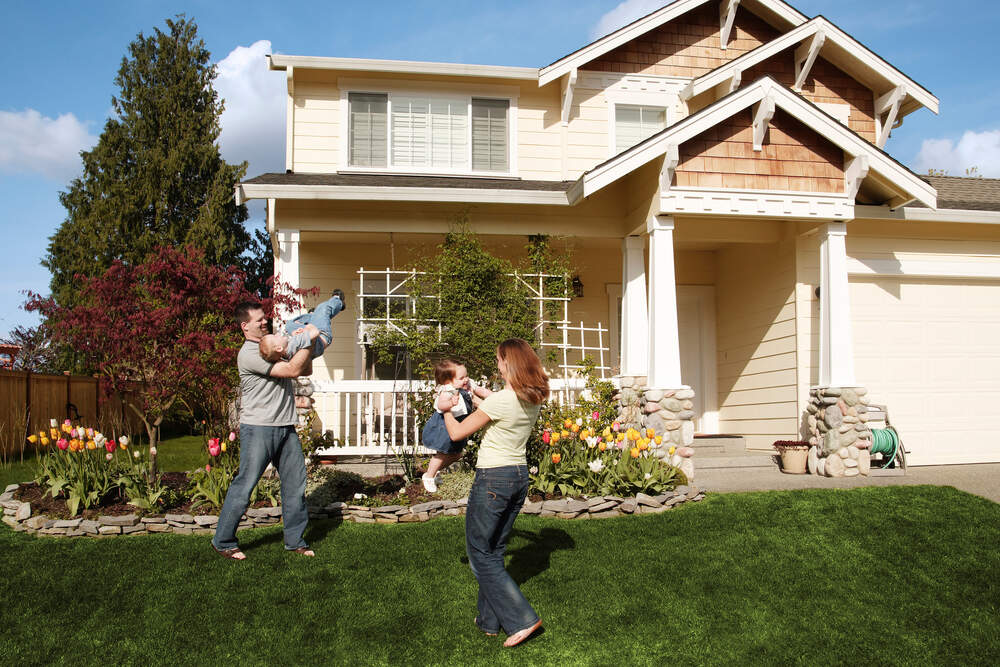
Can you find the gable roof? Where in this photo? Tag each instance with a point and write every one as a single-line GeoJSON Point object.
{"type": "Point", "coordinates": [894, 173]}
{"type": "Point", "coordinates": [781, 11]}
{"type": "Point", "coordinates": [840, 49]}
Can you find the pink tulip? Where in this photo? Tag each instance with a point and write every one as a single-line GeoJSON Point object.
{"type": "Point", "coordinates": [546, 437]}
{"type": "Point", "coordinates": [596, 415]}
{"type": "Point", "coordinates": [615, 426]}
{"type": "Point", "coordinates": [232, 436]}
{"type": "Point", "coordinates": [208, 468]}
{"type": "Point", "coordinates": [62, 444]}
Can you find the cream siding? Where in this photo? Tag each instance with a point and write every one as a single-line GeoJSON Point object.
{"type": "Point", "coordinates": [756, 343]}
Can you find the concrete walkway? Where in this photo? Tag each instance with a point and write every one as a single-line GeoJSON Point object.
{"type": "Point", "coordinates": [982, 479]}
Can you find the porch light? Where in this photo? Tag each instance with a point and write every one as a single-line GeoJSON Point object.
{"type": "Point", "coordinates": [577, 286]}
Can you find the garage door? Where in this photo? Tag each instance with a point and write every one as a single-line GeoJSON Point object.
{"type": "Point", "coordinates": [930, 350]}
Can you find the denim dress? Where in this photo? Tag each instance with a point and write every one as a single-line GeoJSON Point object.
{"type": "Point", "coordinates": [435, 435]}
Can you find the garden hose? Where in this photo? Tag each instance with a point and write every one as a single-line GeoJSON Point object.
{"type": "Point", "coordinates": [885, 441]}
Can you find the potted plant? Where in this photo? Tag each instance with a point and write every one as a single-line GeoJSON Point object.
{"type": "Point", "coordinates": [794, 454]}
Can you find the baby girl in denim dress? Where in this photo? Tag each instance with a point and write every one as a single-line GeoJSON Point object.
{"type": "Point", "coordinates": [451, 377]}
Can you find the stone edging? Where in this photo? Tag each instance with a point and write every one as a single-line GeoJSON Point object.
{"type": "Point", "coordinates": [17, 514]}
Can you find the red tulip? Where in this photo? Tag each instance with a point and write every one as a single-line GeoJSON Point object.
{"type": "Point", "coordinates": [546, 437]}
{"type": "Point", "coordinates": [62, 444]}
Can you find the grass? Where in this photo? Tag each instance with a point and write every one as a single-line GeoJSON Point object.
{"type": "Point", "coordinates": [895, 575]}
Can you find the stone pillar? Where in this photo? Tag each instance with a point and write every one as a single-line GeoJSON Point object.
{"type": "Point", "coordinates": [664, 342]}
{"type": "Point", "coordinates": [836, 351]}
{"type": "Point", "coordinates": [840, 438]}
{"type": "Point", "coordinates": [635, 321]}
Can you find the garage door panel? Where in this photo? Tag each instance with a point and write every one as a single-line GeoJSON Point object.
{"type": "Point", "coordinates": [930, 350]}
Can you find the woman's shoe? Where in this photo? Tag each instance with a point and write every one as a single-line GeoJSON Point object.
{"type": "Point", "coordinates": [521, 635]}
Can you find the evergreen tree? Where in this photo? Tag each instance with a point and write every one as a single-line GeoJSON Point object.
{"type": "Point", "coordinates": [155, 176]}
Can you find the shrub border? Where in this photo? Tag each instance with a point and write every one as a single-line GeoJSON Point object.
{"type": "Point", "coordinates": [17, 514]}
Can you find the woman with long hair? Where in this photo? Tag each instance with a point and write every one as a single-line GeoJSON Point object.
{"type": "Point", "coordinates": [501, 486]}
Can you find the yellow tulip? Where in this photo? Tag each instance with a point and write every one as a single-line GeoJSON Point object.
{"type": "Point", "coordinates": [555, 438]}
{"type": "Point", "coordinates": [45, 441]}
{"type": "Point", "coordinates": [671, 450]}
{"type": "Point", "coordinates": [574, 428]}
{"type": "Point", "coordinates": [91, 444]}
{"type": "Point", "coordinates": [634, 452]}
{"type": "Point", "coordinates": [643, 445]}
{"type": "Point", "coordinates": [564, 433]}
{"type": "Point", "coordinates": [32, 438]}
{"type": "Point", "coordinates": [223, 446]}
{"type": "Point", "coordinates": [658, 439]}
{"type": "Point", "coordinates": [54, 433]}
{"type": "Point", "coordinates": [602, 446]}
{"type": "Point", "coordinates": [650, 433]}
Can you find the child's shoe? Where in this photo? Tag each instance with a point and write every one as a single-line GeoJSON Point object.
{"type": "Point", "coordinates": [430, 484]}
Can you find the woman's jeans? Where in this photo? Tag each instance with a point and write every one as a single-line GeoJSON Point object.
{"type": "Point", "coordinates": [496, 497]}
{"type": "Point", "coordinates": [260, 445]}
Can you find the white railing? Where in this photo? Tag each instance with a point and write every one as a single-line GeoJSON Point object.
{"type": "Point", "coordinates": [377, 417]}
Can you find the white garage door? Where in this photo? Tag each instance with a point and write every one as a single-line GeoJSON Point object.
{"type": "Point", "coordinates": [930, 350]}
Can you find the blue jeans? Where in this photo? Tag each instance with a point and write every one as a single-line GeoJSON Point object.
{"type": "Point", "coordinates": [260, 445]}
{"type": "Point", "coordinates": [496, 497]}
{"type": "Point", "coordinates": [319, 318]}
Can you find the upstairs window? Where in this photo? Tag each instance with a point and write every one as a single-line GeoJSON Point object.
{"type": "Point", "coordinates": [426, 133]}
{"type": "Point", "coordinates": [634, 123]}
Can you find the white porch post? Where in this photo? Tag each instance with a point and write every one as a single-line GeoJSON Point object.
{"type": "Point", "coordinates": [836, 352]}
{"type": "Point", "coordinates": [286, 264]}
{"type": "Point", "coordinates": [635, 328]}
{"type": "Point", "coordinates": [664, 342]}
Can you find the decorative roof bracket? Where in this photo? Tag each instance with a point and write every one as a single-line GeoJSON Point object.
{"type": "Point", "coordinates": [727, 15]}
{"type": "Point", "coordinates": [854, 174]}
{"type": "Point", "coordinates": [734, 81]}
{"type": "Point", "coordinates": [763, 112]}
{"type": "Point", "coordinates": [568, 84]}
{"type": "Point", "coordinates": [670, 161]}
{"type": "Point", "coordinates": [888, 105]}
{"type": "Point", "coordinates": [805, 57]}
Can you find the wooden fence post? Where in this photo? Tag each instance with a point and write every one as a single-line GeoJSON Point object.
{"type": "Point", "coordinates": [27, 404]}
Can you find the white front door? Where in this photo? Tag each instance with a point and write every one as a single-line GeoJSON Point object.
{"type": "Point", "coordinates": [696, 331]}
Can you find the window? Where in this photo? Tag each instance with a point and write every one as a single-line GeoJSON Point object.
{"type": "Point", "coordinates": [635, 123]}
{"type": "Point", "coordinates": [417, 132]}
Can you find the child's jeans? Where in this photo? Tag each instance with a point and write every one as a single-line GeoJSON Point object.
{"type": "Point", "coordinates": [319, 318]}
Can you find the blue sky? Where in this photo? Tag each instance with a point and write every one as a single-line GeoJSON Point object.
{"type": "Point", "coordinates": [63, 57]}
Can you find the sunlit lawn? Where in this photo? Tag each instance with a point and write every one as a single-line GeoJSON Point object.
{"type": "Point", "coordinates": [904, 575]}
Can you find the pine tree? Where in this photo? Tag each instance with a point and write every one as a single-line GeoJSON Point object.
{"type": "Point", "coordinates": [155, 176]}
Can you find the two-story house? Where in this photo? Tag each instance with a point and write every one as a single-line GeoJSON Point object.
{"type": "Point", "coordinates": [721, 170]}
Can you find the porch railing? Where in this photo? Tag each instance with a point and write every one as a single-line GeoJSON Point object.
{"type": "Point", "coordinates": [377, 417]}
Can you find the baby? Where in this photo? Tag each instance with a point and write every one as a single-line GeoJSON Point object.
{"type": "Point", "coordinates": [451, 378]}
{"type": "Point", "coordinates": [309, 329]}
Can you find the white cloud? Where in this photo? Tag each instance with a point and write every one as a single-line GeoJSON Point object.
{"type": "Point", "coordinates": [31, 142]}
{"type": "Point", "coordinates": [253, 122]}
{"type": "Point", "coordinates": [623, 14]}
{"type": "Point", "coordinates": [974, 149]}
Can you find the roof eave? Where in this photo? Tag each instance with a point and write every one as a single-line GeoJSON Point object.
{"type": "Point", "coordinates": [281, 62]}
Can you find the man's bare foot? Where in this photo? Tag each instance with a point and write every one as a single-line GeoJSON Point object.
{"type": "Point", "coordinates": [521, 635]}
{"type": "Point", "coordinates": [305, 551]}
{"type": "Point", "coordinates": [232, 553]}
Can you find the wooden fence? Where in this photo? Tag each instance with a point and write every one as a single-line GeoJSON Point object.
{"type": "Point", "coordinates": [37, 398]}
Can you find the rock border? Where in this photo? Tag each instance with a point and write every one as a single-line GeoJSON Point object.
{"type": "Point", "coordinates": [17, 514]}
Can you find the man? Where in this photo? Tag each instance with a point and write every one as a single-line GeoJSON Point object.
{"type": "Point", "coordinates": [267, 435]}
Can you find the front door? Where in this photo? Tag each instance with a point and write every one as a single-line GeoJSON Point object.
{"type": "Point", "coordinates": [696, 333]}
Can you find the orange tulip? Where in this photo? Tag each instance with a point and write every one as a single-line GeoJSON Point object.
{"type": "Point", "coordinates": [634, 452]}
{"type": "Point", "coordinates": [650, 433]}
{"type": "Point", "coordinates": [556, 458]}
{"type": "Point", "coordinates": [602, 446]}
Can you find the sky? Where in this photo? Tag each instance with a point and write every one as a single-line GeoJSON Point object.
{"type": "Point", "coordinates": [56, 90]}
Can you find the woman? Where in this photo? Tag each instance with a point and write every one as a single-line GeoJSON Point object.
{"type": "Point", "coordinates": [501, 485]}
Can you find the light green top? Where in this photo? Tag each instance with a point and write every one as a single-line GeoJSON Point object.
{"type": "Point", "coordinates": [507, 433]}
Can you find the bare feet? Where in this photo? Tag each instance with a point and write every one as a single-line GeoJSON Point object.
{"type": "Point", "coordinates": [521, 635]}
{"type": "Point", "coordinates": [233, 553]}
{"type": "Point", "coordinates": [305, 551]}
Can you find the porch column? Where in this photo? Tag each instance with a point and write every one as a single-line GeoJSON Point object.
{"type": "Point", "coordinates": [286, 264]}
{"type": "Point", "coordinates": [634, 327]}
{"type": "Point", "coordinates": [664, 343]}
{"type": "Point", "coordinates": [836, 351]}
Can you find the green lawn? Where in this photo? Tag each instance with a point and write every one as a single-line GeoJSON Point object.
{"type": "Point", "coordinates": [904, 575]}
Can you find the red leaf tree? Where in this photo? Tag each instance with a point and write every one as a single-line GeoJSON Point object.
{"type": "Point", "coordinates": [160, 333]}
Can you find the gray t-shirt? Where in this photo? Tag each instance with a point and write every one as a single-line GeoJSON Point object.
{"type": "Point", "coordinates": [266, 401]}
{"type": "Point", "coordinates": [296, 342]}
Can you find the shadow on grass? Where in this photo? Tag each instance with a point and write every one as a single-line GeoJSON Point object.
{"type": "Point", "coordinates": [316, 531]}
{"type": "Point", "coordinates": [533, 558]}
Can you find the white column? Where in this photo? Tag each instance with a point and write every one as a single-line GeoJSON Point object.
{"type": "Point", "coordinates": [664, 343]}
{"type": "Point", "coordinates": [286, 264]}
{"type": "Point", "coordinates": [635, 327]}
{"type": "Point", "coordinates": [836, 351]}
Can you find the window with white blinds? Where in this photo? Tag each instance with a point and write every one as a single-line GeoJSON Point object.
{"type": "Point", "coordinates": [414, 132]}
{"type": "Point", "coordinates": [489, 135]}
{"type": "Point", "coordinates": [369, 129]}
{"type": "Point", "coordinates": [635, 123]}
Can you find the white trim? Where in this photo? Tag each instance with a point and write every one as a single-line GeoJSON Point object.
{"type": "Point", "coordinates": [277, 61]}
{"type": "Point", "coordinates": [955, 215]}
{"type": "Point", "coordinates": [640, 27]}
{"type": "Point", "coordinates": [854, 174]}
{"type": "Point", "coordinates": [635, 311]}
{"type": "Point", "coordinates": [834, 36]}
{"type": "Point", "coordinates": [290, 120]}
{"type": "Point", "coordinates": [889, 105]}
{"type": "Point", "coordinates": [374, 192]}
{"type": "Point", "coordinates": [708, 382]}
{"type": "Point", "coordinates": [614, 291]}
{"type": "Point", "coordinates": [762, 114]}
{"type": "Point", "coordinates": [757, 203]}
{"type": "Point", "coordinates": [802, 109]}
{"type": "Point", "coordinates": [569, 83]}
{"type": "Point", "coordinates": [286, 264]}
{"type": "Point", "coordinates": [977, 268]}
{"type": "Point", "coordinates": [665, 101]}
{"type": "Point", "coordinates": [727, 16]}
{"type": "Point", "coordinates": [805, 58]}
{"type": "Point", "coordinates": [389, 88]}
{"type": "Point", "coordinates": [670, 161]}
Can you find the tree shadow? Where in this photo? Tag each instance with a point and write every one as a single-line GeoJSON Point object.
{"type": "Point", "coordinates": [533, 558]}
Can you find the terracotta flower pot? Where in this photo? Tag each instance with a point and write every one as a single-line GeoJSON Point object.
{"type": "Point", "coordinates": [793, 460]}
